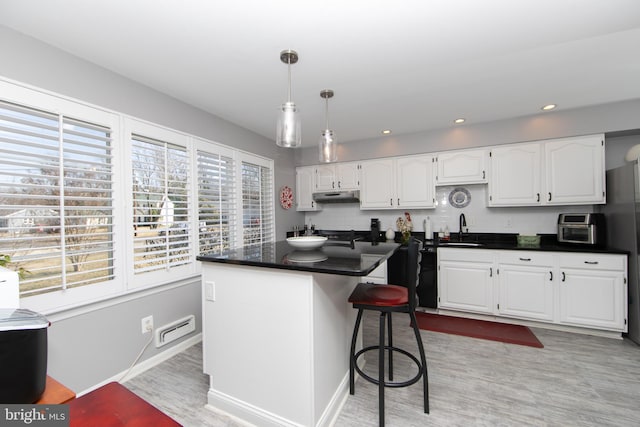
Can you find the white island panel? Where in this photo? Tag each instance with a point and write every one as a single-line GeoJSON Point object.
{"type": "Point", "coordinates": [276, 343]}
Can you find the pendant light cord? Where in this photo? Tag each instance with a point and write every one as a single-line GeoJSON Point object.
{"type": "Point", "coordinates": [289, 68]}
{"type": "Point", "coordinates": [326, 112]}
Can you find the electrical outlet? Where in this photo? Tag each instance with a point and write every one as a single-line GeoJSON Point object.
{"type": "Point", "coordinates": [147, 324]}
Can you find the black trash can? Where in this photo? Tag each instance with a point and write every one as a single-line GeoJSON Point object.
{"type": "Point", "coordinates": [23, 355]}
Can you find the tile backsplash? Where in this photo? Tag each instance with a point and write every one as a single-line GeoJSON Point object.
{"type": "Point", "coordinates": [480, 218]}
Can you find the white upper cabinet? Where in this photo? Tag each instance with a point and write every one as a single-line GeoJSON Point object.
{"type": "Point", "coordinates": [414, 182]}
{"type": "Point", "coordinates": [575, 170]}
{"type": "Point", "coordinates": [398, 183]}
{"type": "Point", "coordinates": [515, 175]}
{"type": "Point", "coordinates": [462, 167]}
{"type": "Point", "coordinates": [338, 176]}
{"type": "Point", "coordinates": [305, 184]}
{"type": "Point", "coordinates": [567, 171]}
{"type": "Point", "coordinates": [378, 186]}
{"type": "Point", "coordinates": [348, 176]}
{"type": "Point", "coordinates": [325, 178]}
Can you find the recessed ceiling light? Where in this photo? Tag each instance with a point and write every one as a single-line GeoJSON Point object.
{"type": "Point", "coordinates": [548, 107]}
{"type": "Point", "coordinates": [459, 120]}
{"type": "Point", "coordinates": [386, 132]}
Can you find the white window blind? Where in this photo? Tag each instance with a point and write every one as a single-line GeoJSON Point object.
{"type": "Point", "coordinates": [56, 199]}
{"type": "Point", "coordinates": [216, 202]}
{"type": "Point", "coordinates": [257, 204]}
{"type": "Point", "coordinates": [161, 204]}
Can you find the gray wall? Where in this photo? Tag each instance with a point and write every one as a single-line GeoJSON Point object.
{"type": "Point", "coordinates": [606, 118]}
{"type": "Point", "coordinates": [88, 348]}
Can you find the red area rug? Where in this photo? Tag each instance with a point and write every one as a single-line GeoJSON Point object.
{"type": "Point", "coordinates": [494, 331]}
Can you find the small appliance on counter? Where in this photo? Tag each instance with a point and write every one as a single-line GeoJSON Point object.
{"type": "Point", "coordinates": [23, 359]}
{"type": "Point", "coordinates": [582, 228]}
{"type": "Point", "coordinates": [375, 230]}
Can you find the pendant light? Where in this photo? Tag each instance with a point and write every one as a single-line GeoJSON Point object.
{"type": "Point", "coordinates": [328, 144]}
{"type": "Point", "coordinates": [288, 132]}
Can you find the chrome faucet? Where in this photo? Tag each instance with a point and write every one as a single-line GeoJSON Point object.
{"type": "Point", "coordinates": [462, 223]}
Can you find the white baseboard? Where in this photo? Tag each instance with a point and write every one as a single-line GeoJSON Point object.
{"type": "Point", "coordinates": [148, 363]}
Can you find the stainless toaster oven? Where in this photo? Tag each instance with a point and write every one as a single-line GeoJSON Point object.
{"type": "Point", "coordinates": [582, 228]}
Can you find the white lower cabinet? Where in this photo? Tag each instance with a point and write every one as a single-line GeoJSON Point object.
{"type": "Point", "coordinates": [526, 285]}
{"type": "Point", "coordinates": [573, 289]}
{"type": "Point", "coordinates": [465, 280]}
{"type": "Point", "coordinates": [378, 275]}
{"type": "Point", "coordinates": [593, 291]}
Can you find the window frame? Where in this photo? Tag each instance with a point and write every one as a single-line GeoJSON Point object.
{"type": "Point", "coordinates": [125, 281]}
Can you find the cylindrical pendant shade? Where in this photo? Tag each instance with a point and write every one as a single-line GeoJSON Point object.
{"type": "Point", "coordinates": [288, 132]}
{"type": "Point", "coordinates": [328, 147]}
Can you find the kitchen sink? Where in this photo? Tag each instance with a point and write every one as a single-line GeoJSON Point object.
{"type": "Point", "coordinates": [461, 244]}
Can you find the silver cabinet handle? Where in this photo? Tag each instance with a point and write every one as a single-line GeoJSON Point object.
{"type": "Point", "coordinates": [537, 197]}
{"type": "Point", "coordinates": [490, 271]}
{"type": "Point", "coordinates": [591, 262]}
{"type": "Point", "coordinates": [398, 201]}
{"type": "Point", "coordinates": [525, 259]}
{"type": "Point", "coordinates": [563, 277]}
{"type": "Point", "coordinates": [391, 202]}
{"type": "Point", "coordinates": [549, 197]}
{"type": "Point", "coordinates": [551, 276]}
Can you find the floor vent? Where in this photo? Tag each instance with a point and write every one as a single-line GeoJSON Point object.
{"type": "Point", "coordinates": [175, 330]}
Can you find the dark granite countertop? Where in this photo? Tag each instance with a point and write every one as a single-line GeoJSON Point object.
{"type": "Point", "coordinates": [332, 258]}
{"type": "Point", "coordinates": [548, 242]}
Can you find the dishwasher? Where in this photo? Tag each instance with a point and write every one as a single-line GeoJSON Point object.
{"type": "Point", "coordinates": [427, 282]}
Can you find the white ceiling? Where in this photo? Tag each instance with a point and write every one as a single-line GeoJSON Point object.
{"type": "Point", "coordinates": [406, 65]}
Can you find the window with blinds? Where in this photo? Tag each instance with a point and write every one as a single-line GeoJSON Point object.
{"type": "Point", "coordinates": [161, 216]}
{"type": "Point", "coordinates": [94, 204]}
{"type": "Point", "coordinates": [56, 199]}
{"type": "Point", "coordinates": [216, 202]}
{"type": "Point", "coordinates": [257, 204]}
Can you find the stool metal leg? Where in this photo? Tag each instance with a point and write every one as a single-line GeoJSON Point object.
{"type": "Point", "coordinates": [352, 355]}
{"type": "Point", "coordinates": [423, 359]}
{"type": "Point", "coordinates": [381, 371]}
{"type": "Point", "coordinates": [390, 354]}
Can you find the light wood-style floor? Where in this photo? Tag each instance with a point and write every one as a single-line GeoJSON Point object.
{"type": "Point", "coordinates": [575, 380]}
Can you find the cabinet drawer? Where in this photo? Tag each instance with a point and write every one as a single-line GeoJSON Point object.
{"type": "Point", "coordinates": [469, 255]}
{"type": "Point", "coordinates": [526, 258]}
{"type": "Point", "coordinates": [593, 261]}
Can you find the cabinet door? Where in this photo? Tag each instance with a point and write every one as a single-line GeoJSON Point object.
{"type": "Point", "coordinates": [347, 176]}
{"type": "Point", "coordinates": [575, 170]}
{"type": "Point", "coordinates": [466, 286]}
{"type": "Point", "coordinates": [593, 298]}
{"type": "Point", "coordinates": [526, 292]}
{"type": "Point", "coordinates": [515, 175]}
{"type": "Point", "coordinates": [325, 177]}
{"type": "Point", "coordinates": [414, 185]}
{"type": "Point", "coordinates": [305, 184]}
{"type": "Point", "coordinates": [377, 187]}
{"type": "Point", "coordinates": [462, 167]}
{"type": "Point", "coordinates": [379, 275]}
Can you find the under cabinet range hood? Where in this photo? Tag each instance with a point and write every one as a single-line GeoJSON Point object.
{"type": "Point", "coordinates": [352, 196]}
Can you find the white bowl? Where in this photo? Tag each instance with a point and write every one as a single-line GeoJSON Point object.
{"type": "Point", "coordinates": [306, 243]}
{"type": "Point", "coordinates": [306, 256]}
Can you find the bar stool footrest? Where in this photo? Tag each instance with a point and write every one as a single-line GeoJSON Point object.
{"type": "Point", "coordinates": [392, 384]}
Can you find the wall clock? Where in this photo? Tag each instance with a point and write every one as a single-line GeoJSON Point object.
{"type": "Point", "coordinates": [286, 197]}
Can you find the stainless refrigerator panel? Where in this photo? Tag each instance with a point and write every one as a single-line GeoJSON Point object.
{"type": "Point", "coordinates": [623, 223]}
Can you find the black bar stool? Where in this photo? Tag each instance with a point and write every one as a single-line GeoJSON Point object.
{"type": "Point", "coordinates": [388, 299]}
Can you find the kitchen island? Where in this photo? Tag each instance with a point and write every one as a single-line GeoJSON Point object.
{"type": "Point", "coordinates": [277, 329]}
